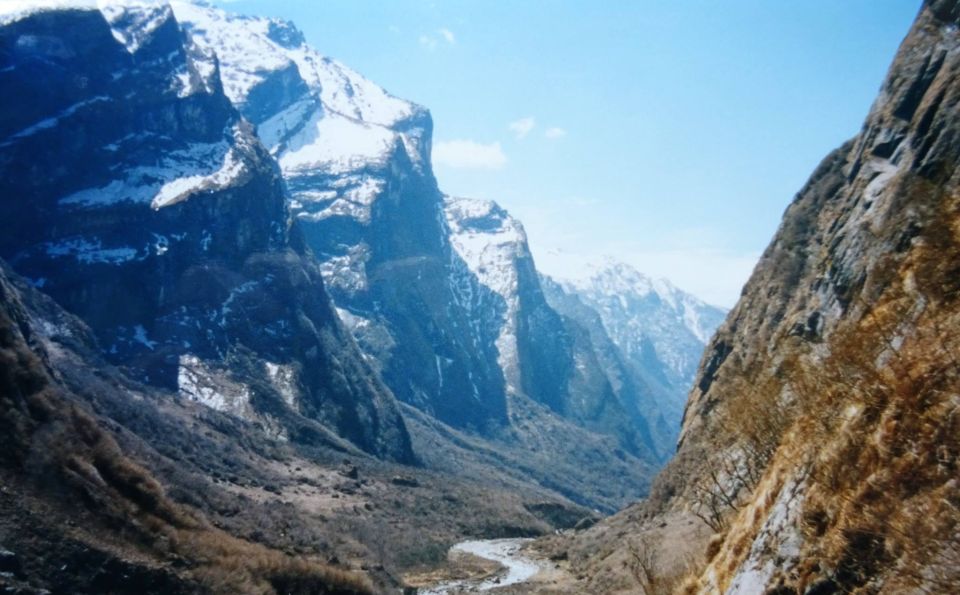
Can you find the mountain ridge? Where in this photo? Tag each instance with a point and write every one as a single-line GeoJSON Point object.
{"type": "Point", "coordinates": [161, 221]}
{"type": "Point", "coordinates": [658, 329]}
{"type": "Point", "coordinates": [447, 337]}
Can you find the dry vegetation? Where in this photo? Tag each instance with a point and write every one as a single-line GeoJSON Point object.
{"type": "Point", "coordinates": [654, 575]}
{"type": "Point", "coordinates": [210, 504]}
{"type": "Point", "coordinates": [870, 425]}
{"type": "Point", "coordinates": [750, 429]}
{"type": "Point", "coordinates": [69, 456]}
{"type": "Point", "coordinates": [885, 499]}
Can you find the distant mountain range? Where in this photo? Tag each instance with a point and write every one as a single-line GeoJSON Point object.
{"type": "Point", "coordinates": [441, 293]}
{"type": "Point", "coordinates": [212, 168]}
{"type": "Point", "coordinates": [658, 333]}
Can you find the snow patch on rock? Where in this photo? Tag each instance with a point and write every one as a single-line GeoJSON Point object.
{"type": "Point", "coordinates": [491, 242]}
{"type": "Point", "coordinates": [133, 23]}
{"type": "Point", "coordinates": [284, 379]}
{"type": "Point", "coordinates": [336, 144]}
{"type": "Point", "coordinates": [199, 382]}
{"type": "Point", "coordinates": [176, 176]}
{"type": "Point", "coordinates": [90, 251]}
{"type": "Point", "coordinates": [54, 121]}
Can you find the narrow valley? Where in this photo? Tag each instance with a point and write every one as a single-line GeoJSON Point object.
{"type": "Point", "coordinates": [253, 340]}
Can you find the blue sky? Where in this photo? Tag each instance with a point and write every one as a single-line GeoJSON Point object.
{"type": "Point", "coordinates": [669, 134]}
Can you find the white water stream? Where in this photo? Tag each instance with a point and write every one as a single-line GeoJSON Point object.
{"type": "Point", "coordinates": [519, 568]}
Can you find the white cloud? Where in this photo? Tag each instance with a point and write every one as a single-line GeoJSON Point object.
{"type": "Point", "coordinates": [430, 42]}
{"type": "Point", "coordinates": [555, 132]}
{"type": "Point", "coordinates": [522, 127]}
{"type": "Point", "coordinates": [468, 154]}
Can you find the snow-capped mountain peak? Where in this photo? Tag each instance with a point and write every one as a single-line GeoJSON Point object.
{"type": "Point", "coordinates": [613, 278]}
{"type": "Point", "coordinates": [256, 48]}
{"type": "Point", "coordinates": [660, 329]}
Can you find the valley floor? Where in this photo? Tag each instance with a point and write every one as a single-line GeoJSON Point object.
{"type": "Point", "coordinates": [499, 566]}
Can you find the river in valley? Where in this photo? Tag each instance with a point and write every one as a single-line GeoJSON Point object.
{"type": "Point", "coordinates": [518, 567]}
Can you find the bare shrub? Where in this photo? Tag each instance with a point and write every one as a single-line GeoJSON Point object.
{"type": "Point", "coordinates": [655, 576]}
{"type": "Point", "coordinates": [749, 427]}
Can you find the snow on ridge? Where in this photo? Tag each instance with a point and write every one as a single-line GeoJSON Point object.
{"type": "Point", "coordinates": [133, 22]}
{"type": "Point", "coordinates": [463, 209]}
{"type": "Point", "coordinates": [153, 13]}
{"type": "Point", "coordinates": [490, 242]}
{"type": "Point", "coordinates": [239, 42]}
{"type": "Point", "coordinates": [616, 284]}
{"type": "Point", "coordinates": [12, 11]}
{"type": "Point", "coordinates": [490, 250]}
{"type": "Point", "coordinates": [343, 122]}
{"type": "Point", "coordinates": [614, 277]}
{"type": "Point", "coordinates": [248, 54]}
{"type": "Point", "coordinates": [275, 131]}
{"type": "Point", "coordinates": [336, 143]}
{"type": "Point", "coordinates": [346, 91]}
{"type": "Point", "coordinates": [178, 174]}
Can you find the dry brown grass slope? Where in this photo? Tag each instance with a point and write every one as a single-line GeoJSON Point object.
{"type": "Point", "coordinates": [60, 465]}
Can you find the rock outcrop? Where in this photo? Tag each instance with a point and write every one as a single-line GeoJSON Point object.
{"type": "Point", "coordinates": [136, 195]}
{"type": "Point", "coordinates": [819, 449]}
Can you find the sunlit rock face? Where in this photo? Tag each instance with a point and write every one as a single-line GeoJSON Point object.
{"type": "Point", "coordinates": [440, 292]}
{"type": "Point", "coordinates": [137, 196]}
{"type": "Point", "coordinates": [819, 445]}
{"type": "Point", "coordinates": [356, 161]}
{"type": "Point", "coordinates": [550, 358]}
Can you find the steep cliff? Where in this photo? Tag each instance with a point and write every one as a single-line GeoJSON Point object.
{"type": "Point", "coordinates": [545, 357]}
{"type": "Point", "coordinates": [470, 343]}
{"type": "Point", "coordinates": [820, 447]}
{"type": "Point", "coordinates": [357, 163]}
{"type": "Point", "coordinates": [136, 196]}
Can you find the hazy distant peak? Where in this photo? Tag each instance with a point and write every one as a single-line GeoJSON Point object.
{"type": "Point", "coordinates": [612, 280]}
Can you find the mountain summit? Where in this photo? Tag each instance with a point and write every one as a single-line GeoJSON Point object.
{"type": "Point", "coordinates": [141, 200]}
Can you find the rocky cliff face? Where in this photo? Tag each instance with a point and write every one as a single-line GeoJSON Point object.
{"type": "Point", "coordinates": [819, 444]}
{"type": "Point", "coordinates": [442, 294]}
{"type": "Point", "coordinates": [545, 357]}
{"type": "Point", "coordinates": [357, 163]}
{"type": "Point", "coordinates": [136, 195]}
